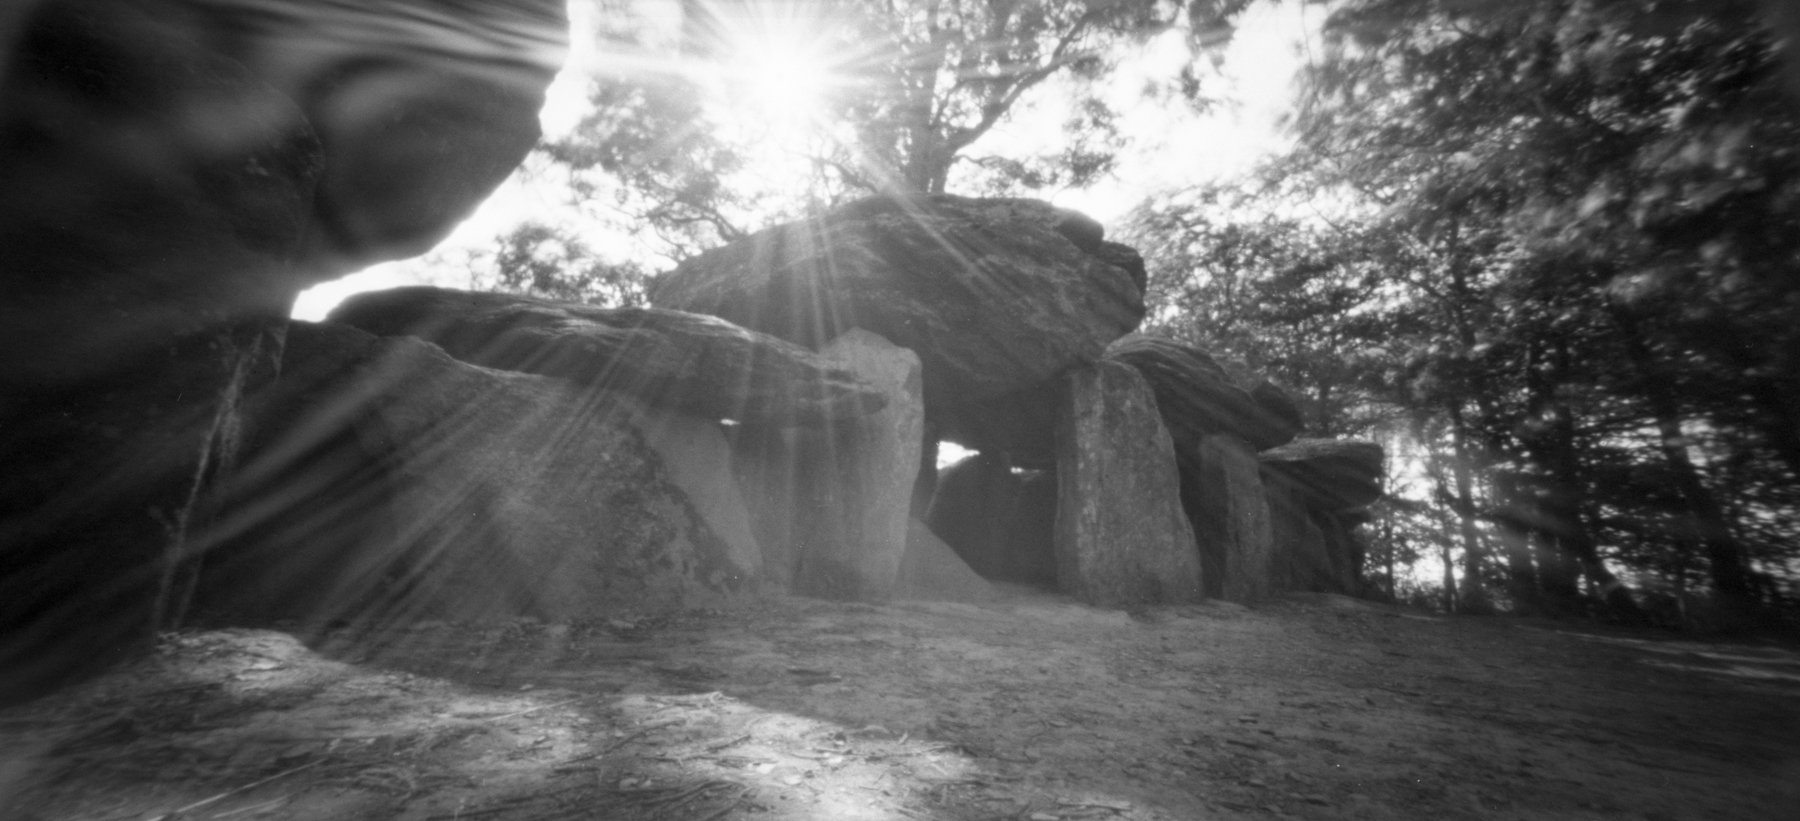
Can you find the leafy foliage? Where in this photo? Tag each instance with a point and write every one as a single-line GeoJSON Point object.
{"type": "Point", "coordinates": [1580, 215]}
{"type": "Point", "coordinates": [545, 261]}
{"type": "Point", "coordinates": [674, 144]}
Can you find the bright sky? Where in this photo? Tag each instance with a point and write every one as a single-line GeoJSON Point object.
{"type": "Point", "coordinates": [1173, 146]}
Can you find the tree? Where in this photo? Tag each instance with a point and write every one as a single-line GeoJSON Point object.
{"type": "Point", "coordinates": [1290, 297]}
{"type": "Point", "coordinates": [545, 261]}
{"type": "Point", "coordinates": [911, 89]}
{"type": "Point", "coordinates": [1591, 292]}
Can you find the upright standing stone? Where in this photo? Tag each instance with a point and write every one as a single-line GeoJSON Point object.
{"type": "Point", "coordinates": [830, 506]}
{"type": "Point", "coordinates": [1231, 516]}
{"type": "Point", "coordinates": [1121, 536]}
{"type": "Point", "coordinates": [697, 459]}
{"type": "Point", "coordinates": [773, 478]}
{"type": "Point", "coordinates": [1299, 561]}
{"type": "Point", "coordinates": [865, 486]}
{"type": "Point", "coordinates": [1341, 549]}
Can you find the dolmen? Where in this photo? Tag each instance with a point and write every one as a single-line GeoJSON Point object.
{"type": "Point", "coordinates": [769, 424]}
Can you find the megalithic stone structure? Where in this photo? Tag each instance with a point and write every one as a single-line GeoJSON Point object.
{"type": "Point", "coordinates": [831, 505]}
{"type": "Point", "coordinates": [1231, 517]}
{"type": "Point", "coordinates": [175, 173]}
{"type": "Point", "coordinates": [1121, 536]}
{"type": "Point", "coordinates": [407, 485]}
{"type": "Point", "coordinates": [865, 478]}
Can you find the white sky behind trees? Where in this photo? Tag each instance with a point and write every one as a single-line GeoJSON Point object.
{"type": "Point", "coordinates": [1170, 145]}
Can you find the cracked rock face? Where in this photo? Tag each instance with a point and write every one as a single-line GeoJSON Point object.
{"type": "Point", "coordinates": [173, 163]}
{"type": "Point", "coordinates": [1199, 396]}
{"type": "Point", "coordinates": [995, 296]}
{"type": "Point", "coordinates": [175, 172]}
{"type": "Point", "coordinates": [693, 364]}
{"type": "Point", "coordinates": [393, 483]}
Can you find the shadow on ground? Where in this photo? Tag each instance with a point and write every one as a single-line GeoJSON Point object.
{"type": "Point", "coordinates": [1036, 707]}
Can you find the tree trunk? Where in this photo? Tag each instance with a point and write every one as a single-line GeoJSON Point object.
{"type": "Point", "coordinates": [1780, 425]}
{"type": "Point", "coordinates": [1563, 507]}
{"type": "Point", "coordinates": [1775, 399]}
{"type": "Point", "coordinates": [1474, 598]}
{"type": "Point", "coordinates": [1724, 555]}
{"type": "Point", "coordinates": [1387, 519]}
{"type": "Point", "coordinates": [1449, 579]}
{"type": "Point", "coordinates": [1513, 524]}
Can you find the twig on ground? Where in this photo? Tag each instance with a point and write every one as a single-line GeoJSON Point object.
{"type": "Point", "coordinates": [254, 807]}
{"type": "Point", "coordinates": [729, 806]}
{"type": "Point", "coordinates": [228, 793]}
{"type": "Point", "coordinates": [713, 748]}
{"type": "Point", "coordinates": [608, 751]}
{"type": "Point", "coordinates": [507, 803]}
{"type": "Point", "coordinates": [542, 707]}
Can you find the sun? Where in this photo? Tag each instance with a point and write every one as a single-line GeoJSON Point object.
{"type": "Point", "coordinates": [785, 81]}
{"type": "Point", "coordinates": [778, 64]}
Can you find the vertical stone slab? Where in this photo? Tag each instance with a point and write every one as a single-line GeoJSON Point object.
{"type": "Point", "coordinates": [1287, 567]}
{"type": "Point", "coordinates": [1231, 516]}
{"type": "Point", "coordinates": [110, 493]}
{"type": "Point", "coordinates": [1121, 537]}
{"type": "Point", "coordinates": [1299, 560]}
{"type": "Point", "coordinates": [697, 459]}
{"type": "Point", "coordinates": [862, 484]}
{"type": "Point", "coordinates": [770, 467]}
{"type": "Point", "coordinates": [1340, 550]}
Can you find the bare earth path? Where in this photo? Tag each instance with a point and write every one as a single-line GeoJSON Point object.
{"type": "Point", "coordinates": [1308, 707]}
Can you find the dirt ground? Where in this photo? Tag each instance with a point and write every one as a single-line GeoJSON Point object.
{"type": "Point", "coordinates": [1312, 707]}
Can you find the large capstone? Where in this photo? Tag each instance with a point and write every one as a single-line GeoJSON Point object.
{"type": "Point", "coordinates": [995, 296]}
{"type": "Point", "coordinates": [1201, 396]}
{"type": "Point", "coordinates": [1121, 535]}
{"type": "Point", "coordinates": [1341, 475]}
{"type": "Point", "coordinates": [688, 363]}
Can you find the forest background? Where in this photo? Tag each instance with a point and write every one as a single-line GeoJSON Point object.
{"type": "Point", "coordinates": [1547, 252]}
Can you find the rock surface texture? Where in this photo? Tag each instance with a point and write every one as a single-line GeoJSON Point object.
{"type": "Point", "coordinates": [866, 473]}
{"type": "Point", "coordinates": [1302, 560]}
{"type": "Point", "coordinates": [171, 165]}
{"type": "Point", "coordinates": [1319, 490]}
{"type": "Point", "coordinates": [1121, 536]}
{"type": "Point", "coordinates": [995, 296]}
{"type": "Point", "coordinates": [830, 506]}
{"type": "Point", "coordinates": [693, 364]}
{"type": "Point", "coordinates": [1224, 496]}
{"type": "Point", "coordinates": [1198, 396]}
{"type": "Point", "coordinates": [455, 491]}
{"type": "Point", "coordinates": [1343, 474]}
{"type": "Point", "coordinates": [175, 173]}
